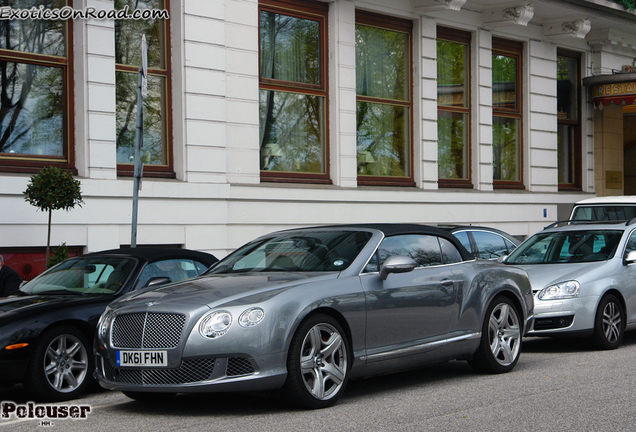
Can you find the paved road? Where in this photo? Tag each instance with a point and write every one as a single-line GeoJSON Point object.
{"type": "Point", "coordinates": [557, 385]}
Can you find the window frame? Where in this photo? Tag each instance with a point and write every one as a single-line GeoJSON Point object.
{"type": "Point", "coordinates": [465, 38]}
{"type": "Point", "coordinates": [403, 26]}
{"type": "Point", "coordinates": [24, 163]}
{"type": "Point", "coordinates": [150, 170]}
{"type": "Point", "coordinates": [576, 124]}
{"type": "Point", "coordinates": [513, 49]}
{"type": "Point", "coordinates": [316, 11]}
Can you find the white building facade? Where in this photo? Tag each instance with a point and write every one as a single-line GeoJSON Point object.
{"type": "Point", "coordinates": [265, 115]}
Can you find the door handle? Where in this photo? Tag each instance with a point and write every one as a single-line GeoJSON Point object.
{"type": "Point", "coordinates": [448, 282]}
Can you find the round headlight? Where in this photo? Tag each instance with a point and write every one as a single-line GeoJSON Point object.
{"type": "Point", "coordinates": [563, 290]}
{"type": "Point", "coordinates": [215, 324]}
{"type": "Point", "coordinates": [251, 317]}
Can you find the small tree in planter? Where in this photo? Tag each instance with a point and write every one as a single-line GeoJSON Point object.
{"type": "Point", "coordinates": [53, 189]}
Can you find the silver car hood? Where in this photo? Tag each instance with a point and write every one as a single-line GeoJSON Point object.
{"type": "Point", "coordinates": [214, 289]}
{"type": "Point", "coordinates": [543, 275]}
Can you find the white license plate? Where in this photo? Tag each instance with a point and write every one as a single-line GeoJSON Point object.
{"type": "Point", "coordinates": [142, 358]}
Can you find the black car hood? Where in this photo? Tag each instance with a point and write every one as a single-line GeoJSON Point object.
{"type": "Point", "coordinates": [22, 306]}
{"type": "Point", "coordinates": [212, 289]}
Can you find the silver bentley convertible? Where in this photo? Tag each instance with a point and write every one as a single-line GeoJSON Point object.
{"type": "Point", "coordinates": [304, 310]}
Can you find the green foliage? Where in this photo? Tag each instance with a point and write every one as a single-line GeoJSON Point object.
{"type": "Point", "coordinates": [630, 5]}
{"type": "Point", "coordinates": [53, 189]}
{"type": "Point", "coordinates": [59, 254]}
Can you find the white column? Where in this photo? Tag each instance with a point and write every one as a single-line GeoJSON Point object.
{"type": "Point", "coordinates": [242, 59]}
{"type": "Point", "coordinates": [205, 106]}
{"type": "Point", "coordinates": [96, 147]}
{"type": "Point", "coordinates": [541, 146]}
{"type": "Point", "coordinates": [482, 135]}
{"type": "Point", "coordinates": [342, 92]}
{"type": "Point", "coordinates": [427, 98]}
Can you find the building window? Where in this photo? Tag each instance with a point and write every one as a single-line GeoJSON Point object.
{"type": "Point", "coordinates": [36, 92]}
{"type": "Point", "coordinates": [569, 119]}
{"type": "Point", "coordinates": [383, 100]}
{"type": "Point", "coordinates": [506, 114]}
{"type": "Point", "coordinates": [453, 107]}
{"type": "Point", "coordinates": [156, 153]}
{"type": "Point", "coordinates": [293, 102]}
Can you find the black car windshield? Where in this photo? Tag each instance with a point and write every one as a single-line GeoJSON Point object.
{"type": "Point", "coordinates": [307, 251]}
{"type": "Point", "coordinates": [95, 275]}
{"type": "Point", "coordinates": [567, 247]}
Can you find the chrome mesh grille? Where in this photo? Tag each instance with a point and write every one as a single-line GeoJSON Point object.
{"type": "Point", "coordinates": [147, 330]}
{"type": "Point", "coordinates": [190, 371]}
{"type": "Point", "coordinates": [237, 366]}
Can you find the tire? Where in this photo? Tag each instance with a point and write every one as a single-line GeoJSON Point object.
{"type": "Point", "coordinates": [500, 344]}
{"type": "Point", "coordinates": [61, 365]}
{"type": "Point", "coordinates": [609, 323]}
{"type": "Point", "coordinates": [317, 363]}
{"type": "Point", "coordinates": [149, 396]}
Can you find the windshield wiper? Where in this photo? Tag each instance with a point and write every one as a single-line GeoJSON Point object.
{"type": "Point", "coordinates": [58, 292]}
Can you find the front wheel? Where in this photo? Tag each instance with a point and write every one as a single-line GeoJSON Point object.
{"type": "Point", "coordinates": [61, 365]}
{"type": "Point", "coordinates": [500, 344]}
{"type": "Point", "coordinates": [317, 364]}
{"type": "Point", "coordinates": [609, 323]}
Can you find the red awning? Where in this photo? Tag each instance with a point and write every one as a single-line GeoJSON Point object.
{"type": "Point", "coordinates": [616, 100]}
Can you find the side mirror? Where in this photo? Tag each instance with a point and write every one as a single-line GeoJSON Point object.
{"type": "Point", "coordinates": [630, 258]}
{"type": "Point", "coordinates": [159, 280]}
{"type": "Point", "coordinates": [396, 264]}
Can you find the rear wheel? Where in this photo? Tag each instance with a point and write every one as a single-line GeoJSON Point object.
{"type": "Point", "coordinates": [61, 365]}
{"type": "Point", "coordinates": [317, 364]}
{"type": "Point", "coordinates": [609, 324]}
{"type": "Point", "coordinates": [500, 344]}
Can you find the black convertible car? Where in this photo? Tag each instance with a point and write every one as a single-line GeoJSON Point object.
{"type": "Point", "coordinates": [47, 327]}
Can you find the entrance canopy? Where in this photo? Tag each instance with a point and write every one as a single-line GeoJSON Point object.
{"type": "Point", "coordinates": [619, 89]}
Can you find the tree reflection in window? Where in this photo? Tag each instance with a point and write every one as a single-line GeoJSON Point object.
{"type": "Point", "coordinates": [292, 94]}
{"type": "Point", "coordinates": [32, 93]}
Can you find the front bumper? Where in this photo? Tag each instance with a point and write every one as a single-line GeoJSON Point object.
{"type": "Point", "coordinates": [566, 316]}
{"type": "Point", "coordinates": [202, 374]}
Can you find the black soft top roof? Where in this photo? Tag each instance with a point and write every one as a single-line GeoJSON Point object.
{"type": "Point", "coordinates": [152, 254]}
{"type": "Point", "coordinates": [390, 229]}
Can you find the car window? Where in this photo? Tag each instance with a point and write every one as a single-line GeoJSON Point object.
{"type": "Point", "coordinates": [462, 236]}
{"type": "Point", "coordinates": [489, 245]}
{"type": "Point", "coordinates": [509, 245]}
{"type": "Point", "coordinates": [307, 251]}
{"type": "Point", "coordinates": [92, 275]}
{"type": "Point", "coordinates": [631, 243]}
{"type": "Point", "coordinates": [567, 246]}
{"type": "Point", "coordinates": [605, 212]}
{"type": "Point", "coordinates": [424, 249]}
{"type": "Point", "coordinates": [450, 254]}
{"type": "Point", "coordinates": [175, 269]}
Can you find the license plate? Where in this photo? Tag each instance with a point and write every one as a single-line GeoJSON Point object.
{"type": "Point", "coordinates": [142, 358]}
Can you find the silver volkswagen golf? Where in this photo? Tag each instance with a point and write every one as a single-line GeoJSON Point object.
{"type": "Point", "coordinates": [304, 310]}
{"type": "Point", "coordinates": [584, 279]}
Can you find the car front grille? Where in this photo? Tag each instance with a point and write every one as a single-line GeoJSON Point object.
{"type": "Point", "coordinates": [147, 330]}
{"type": "Point", "coordinates": [189, 372]}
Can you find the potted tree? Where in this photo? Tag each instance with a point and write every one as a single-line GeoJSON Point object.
{"type": "Point", "coordinates": [52, 189]}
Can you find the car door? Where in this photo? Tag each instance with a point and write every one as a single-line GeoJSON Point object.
{"type": "Point", "coordinates": [408, 312]}
{"type": "Point", "coordinates": [629, 280]}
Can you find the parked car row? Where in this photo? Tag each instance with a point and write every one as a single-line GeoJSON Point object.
{"type": "Point", "coordinates": [305, 310]}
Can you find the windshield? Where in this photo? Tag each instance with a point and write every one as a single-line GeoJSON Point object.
{"type": "Point", "coordinates": [310, 251]}
{"type": "Point", "coordinates": [567, 247]}
{"type": "Point", "coordinates": [97, 275]}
